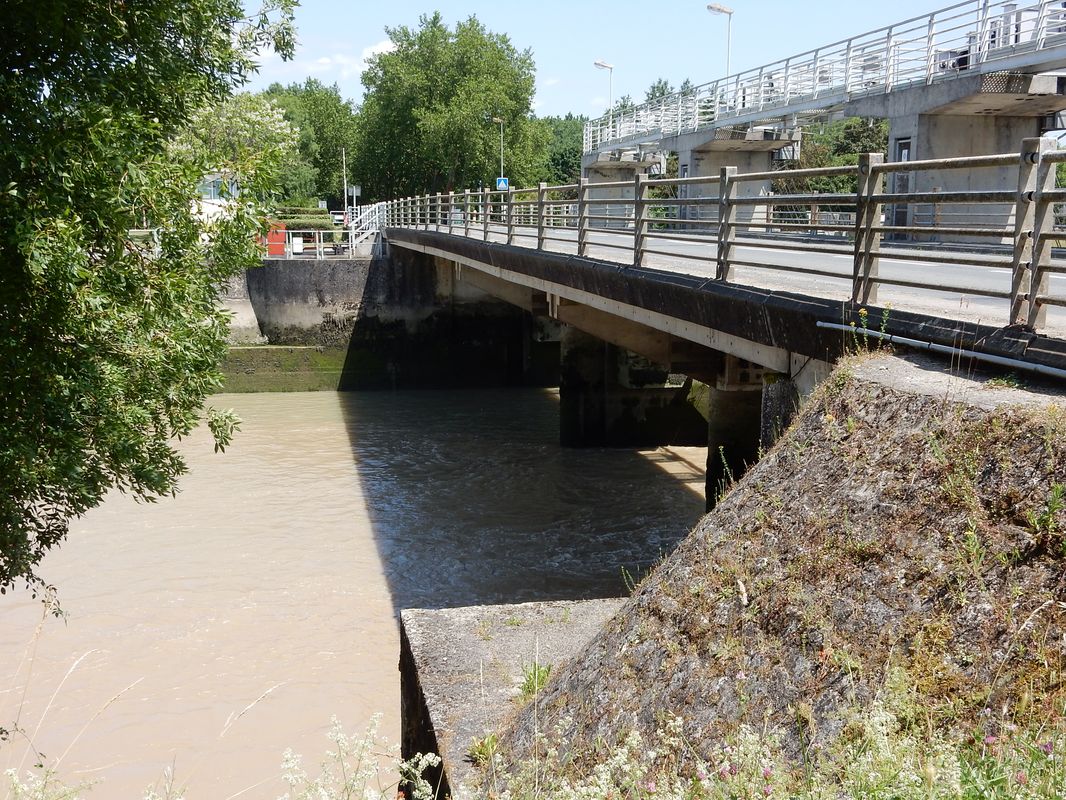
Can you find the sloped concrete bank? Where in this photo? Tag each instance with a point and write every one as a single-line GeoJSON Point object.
{"type": "Point", "coordinates": [461, 669]}
{"type": "Point", "coordinates": [910, 519]}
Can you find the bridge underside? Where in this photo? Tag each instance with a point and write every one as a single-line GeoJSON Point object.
{"type": "Point", "coordinates": [633, 341]}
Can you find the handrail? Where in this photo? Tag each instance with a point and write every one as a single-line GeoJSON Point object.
{"type": "Point", "coordinates": [652, 214]}
{"type": "Point", "coordinates": [974, 35]}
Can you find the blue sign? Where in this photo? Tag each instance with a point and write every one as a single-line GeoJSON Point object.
{"type": "Point", "coordinates": [502, 184]}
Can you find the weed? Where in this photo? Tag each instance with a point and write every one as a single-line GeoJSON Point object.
{"type": "Point", "coordinates": [482, 750]}
{"type": "Point", "coordinates": [534, 677]}
{"type": "Point", "coordinates": [1044, 523]}
{"type": "Point", "coordinates": [1007, 381]}
{"type": "Point", "coordinates": [513, 622]}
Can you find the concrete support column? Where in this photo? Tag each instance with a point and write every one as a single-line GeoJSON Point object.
{"type": "Point", "coordinates": [609, 397]}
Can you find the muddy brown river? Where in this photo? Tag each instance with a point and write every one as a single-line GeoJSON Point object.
{"type": "Point", "coordinates": [209, 632]}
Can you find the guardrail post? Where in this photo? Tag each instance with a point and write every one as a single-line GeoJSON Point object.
{"type": "Point", "coordinates": [867, 219]}
{"type": "Point", "coordinates": [1032, 218]}
{"type": "Point", "coordinates": [435, 207]}
{"type": "Point", "coordinates": [451, 210]}
{"type": "Point", "coordinates": [640, 214]}
{"type": "Point", "coordinates": [510, 216]}
{"type": "Point", "coordinates": [466, 213]}
{"type": "Point", "coordinates": [542, 210]}
{"type": "Point", "coordinates": [486, 214]}
{"type": "Point", "coordinates": [582, 216]}
{"type": "Point", "coordinates": [727, 221]}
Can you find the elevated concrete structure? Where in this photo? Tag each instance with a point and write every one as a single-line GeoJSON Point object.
{"type": "Point", "coordinates": [974, 78]}
{"type": "Point", "coordinates": [978, 114]}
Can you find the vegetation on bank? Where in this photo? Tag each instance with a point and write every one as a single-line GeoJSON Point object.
{"type": "Point", "coordinates": [875, 611]}
{"type": "Point", "coordinates": [111, 332]}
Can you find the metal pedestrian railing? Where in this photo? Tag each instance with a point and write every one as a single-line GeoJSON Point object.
{"type": "Point", "coordinates": [972, 36]}
{"type": "Point", "coordinates": [996, 243]}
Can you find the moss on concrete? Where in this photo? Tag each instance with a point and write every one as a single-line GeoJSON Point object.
{"type": "Point", "coordinates": [283, 368]}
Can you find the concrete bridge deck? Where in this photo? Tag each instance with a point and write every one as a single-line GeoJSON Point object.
{"type": "Point", "coordinates": [766, 319]}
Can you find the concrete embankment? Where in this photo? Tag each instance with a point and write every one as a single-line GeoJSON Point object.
{"type": "Point", "coordinates": [910, 520]}
{"type": "Point", "coordinates": [380, 322]}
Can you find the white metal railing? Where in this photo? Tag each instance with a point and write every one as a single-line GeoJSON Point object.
{"type": "Point", "coordinates": [364, 222]}
{"type": "Point", "coordinates": [726, 220]}
{"type": "Point", "coordinates": [973, 35]}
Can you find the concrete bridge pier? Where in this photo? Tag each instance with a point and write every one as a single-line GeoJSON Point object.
{"type": "Point", "coordinates": [613, 167]}
{"type": "Point", "coordinates": [971, 115]}
{"type": "Point", "coordinates": [611, 397]}
{"type": "Point", "coordinates": [706, 153]}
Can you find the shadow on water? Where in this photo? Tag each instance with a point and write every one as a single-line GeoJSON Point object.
{"type": "Point", "coordinates": [473, 501]}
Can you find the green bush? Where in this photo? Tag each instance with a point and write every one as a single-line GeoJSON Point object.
{"type": "Point", "coordinates": [283, 212]}
{"type": "Point", "coordinates": [307, 223]}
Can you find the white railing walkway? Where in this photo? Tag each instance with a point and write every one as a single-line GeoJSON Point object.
{"type": "Point", "coordinates": [842, 245]}
{"type": "Point", "coordinates": [972, 36]}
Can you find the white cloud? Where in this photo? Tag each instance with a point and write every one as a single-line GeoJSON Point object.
{"type": "Point", "coordinates": [549, 82]}
{"type": "Point", "coordinates": [384, 46]}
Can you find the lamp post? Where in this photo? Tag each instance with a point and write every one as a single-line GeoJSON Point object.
{"type": "Point", "coordinates": [601, 64]}
{"type": "Point", "coordinates": [500, 121]}
{"type": "Point", "coordinates": [718, 8]}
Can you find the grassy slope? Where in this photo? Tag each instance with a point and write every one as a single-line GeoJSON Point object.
{"type": "Point", "coordinates": [886, 527]}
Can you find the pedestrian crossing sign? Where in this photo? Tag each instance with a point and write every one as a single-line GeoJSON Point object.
{"type": "Point", "coordinates": [502, 184]}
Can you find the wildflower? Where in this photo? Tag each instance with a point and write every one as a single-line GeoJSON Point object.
{"type": "Point", "coordinates": [767, 790]}
{"type": "Point", "coordinates": [742, 676]}
{"type": "Point", "coordinates": [733, 769]}
{"type": "Point", "coordinates": [767, 772]}
{"type": "Point", "coordinates": [990, 739]}
{"type": "Point", "coordinates": [1021, 778]}
{"type": "Point", "coordinates": [651, 786]}
{"type": "Point", "coordinates": [723, 773]}
{"type": "Point", "coordinates": [929, 774]}
{"type": "Point", "coordinates": [1048, 748]}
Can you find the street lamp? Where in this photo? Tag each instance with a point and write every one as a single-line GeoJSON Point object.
{"type": "Point", "coordinates": [718, 8]}
{"type": "Point", "coordinates": [500, 121]}
{"type": "Point", "coordinates": [601, 64]}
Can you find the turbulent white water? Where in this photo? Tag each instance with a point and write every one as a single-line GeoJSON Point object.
{"type": "Point", "coordinates": [210, 631]}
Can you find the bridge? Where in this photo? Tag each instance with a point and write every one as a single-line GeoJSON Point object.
{"type": "Point", "coordinates": [970, 79]}
{"type": "Point", "coordinates": [947, 46]}
{"type": "Point", "coordinates": [759, 302]}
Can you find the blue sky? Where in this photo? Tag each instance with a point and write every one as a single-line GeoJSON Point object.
{"type": "Point", "coordinates": [673, 39]}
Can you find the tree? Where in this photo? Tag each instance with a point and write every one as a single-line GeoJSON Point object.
{"type": "Point", "coordinates": [110, 338]}
{"type": "Point", "coordinates": [328, 124]}
{"type": "Point", "coordinates": [658, 90]}
{"type": "Point", "coordinates": [247, 130]}
{"type": "Point", "coordinates": [427, 123]}
{"type": "Point", "coordinates": [835, 144]}
{"type": "Point", "coordinates": [564, 149]}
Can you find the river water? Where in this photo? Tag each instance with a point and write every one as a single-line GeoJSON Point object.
{"type": "Point", "coordinates": [209, 632]}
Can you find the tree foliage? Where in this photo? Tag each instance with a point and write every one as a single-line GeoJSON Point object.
{"type": "Point", "coordinates": [327, 124]}
{"type": "Point", "coordinates": [110, 338]}
{"type": "Point", "coordinates": [247, 130]}
{"type": "Point", "coordinates": [658, 90]}
{"type": "Point", "coordinates": [564, 149]}
{"type": "Point", "coordinates": [833, 145]}
{"type": "Point", "coordinates": [427, 121]}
